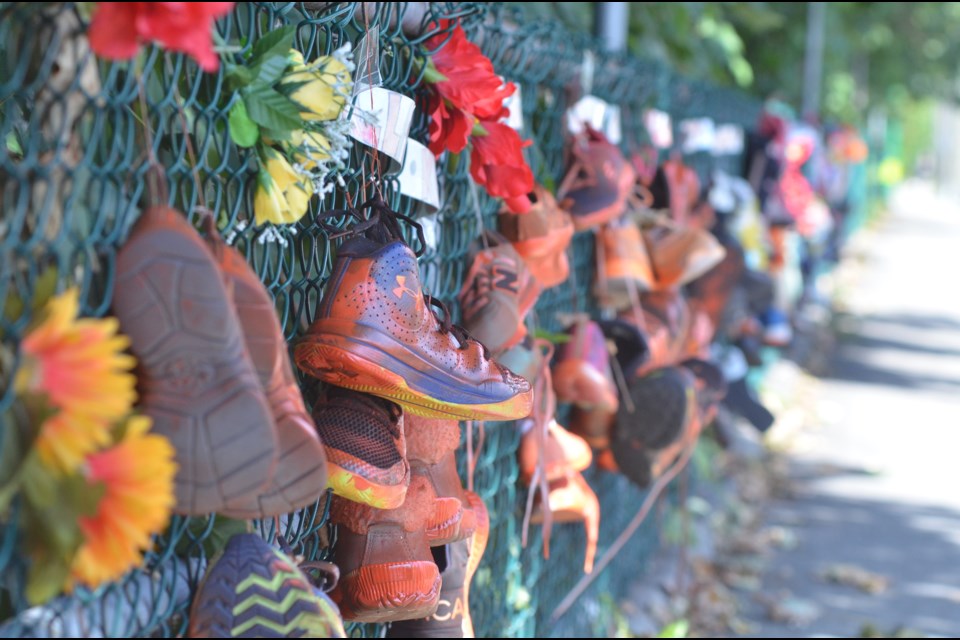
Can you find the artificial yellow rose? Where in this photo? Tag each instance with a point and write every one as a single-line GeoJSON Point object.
{"type": "Point", "coordinates": [279, 168]}
{"type": "Point", "coordinates": [269, 205]}
{"type": "Point", "coordinates": [313, 148]}
{"type": "Point", "coordinates": [298, 197]}
{"type": "Point", "coordinates": [321, 87]}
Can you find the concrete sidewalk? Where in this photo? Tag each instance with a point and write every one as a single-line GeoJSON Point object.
{"type": "Point", "coordinates": [878, 476]}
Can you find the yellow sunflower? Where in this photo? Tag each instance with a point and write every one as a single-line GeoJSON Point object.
{"type": "Point", "coordinates": [137, 478]}
{"type": "Point", "coordinates": [80, 366]}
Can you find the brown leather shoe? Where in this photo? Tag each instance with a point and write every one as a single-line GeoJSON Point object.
{"type": "Point", "coordinates": [387, 572]}
{"type": "Point", "coordinates": [377, 333]}
{"type": "Point", "coordinates": [301, 474]}
{"type": "Point", "coordinates": [196, 378]}
{"type": "Point", "coordinates": [431, 447]}
{"type": "Point", "coordinates": [598, 181]}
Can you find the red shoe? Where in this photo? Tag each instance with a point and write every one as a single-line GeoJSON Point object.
{"type": "Point", "coordinates": [387, 572]}
{"type": "Point", "coordinates": [431, 451]}
{"type": "Point", "coordinates": [376, 333]}
{"type": "Point", "coordinates": [366, 450]}
{"type": "Point", "coordinates": [498, 293]}
{"type": "Point", "coordinates": [582, 375]}
{"type": "Point", "coordinates": [541, 237]}
{"type": "Point", "coordinates": [598, 181]}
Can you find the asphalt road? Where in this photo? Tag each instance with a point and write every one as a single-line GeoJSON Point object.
{"type": "Point", "coordinates": [879, 476]}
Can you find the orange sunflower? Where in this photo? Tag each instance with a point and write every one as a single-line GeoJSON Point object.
{"type": "Point", "coordinates": [80, 366]}
{"type": "Point", "coordinates": [137, 478]}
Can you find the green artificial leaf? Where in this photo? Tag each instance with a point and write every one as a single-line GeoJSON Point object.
{"type": "Point", "coordinates": [47, 576]}
{"type": "Point", "coordinates": [272, 110]}
{"type": "Point", "coordinates": [44, 288]}
{"type": "Point", "coordinates": [39, 485]}
{"type": "Point", "coordinates": [13, 144]}
{"type": "Point", "coordinates": [239, 76]}
{"type": "Point", "coordinates": [269, 70]}
{"type": "Point", "coordinates": [555, 338]}
{"type": "Point", "coordinates": [676, 629]}
{"type": "Point", "coordinates": [81, 496]}
{"type": "Point", "coordinates": [273, 43]}
{"type": "Point", "coordinates": [243, 131]}
{"type": "Point", "coordinates": [275, 135]}
{"type": "Point", "coordinates": [478, 130]}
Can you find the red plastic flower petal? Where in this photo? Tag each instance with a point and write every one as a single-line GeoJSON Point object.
{"type": "Point", "coordinates": [471, 83]}
{"type": "Point", "coordinates": [118, 28]}
{"type": "Point", "coordinates": [449, 127]}
{"type": "Point", "coordinates": [497, 163]}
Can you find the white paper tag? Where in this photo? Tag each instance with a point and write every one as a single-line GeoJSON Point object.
{"type": "Point", "coordinates": [659, 128]}
{"type": "Point", "coordinates": [611, 124]}
{"type": "Point", "coordinates": [514, 105]}
{"type": "Point", "coordinates": [697, 134]}
{"type": "Point", "coordinates": [418, 178]}
{"type": "Point", "coordinates": [588, 111]}
{"type": "Point", "coordinates": [381, 119]}
{"type": "Point", "coordinates": [728, 140]}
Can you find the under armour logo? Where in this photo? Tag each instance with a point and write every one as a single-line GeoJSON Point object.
{"type": "Point", "coordinates": [403, 288]}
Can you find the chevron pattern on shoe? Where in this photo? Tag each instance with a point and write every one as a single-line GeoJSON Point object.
{"type": "Point", "coordinates": [254, 591]}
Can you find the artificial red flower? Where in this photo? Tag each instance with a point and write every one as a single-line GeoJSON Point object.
{"type": "Point", "coordinates": [471, 84]}
{"type": "Point", "coordinates": [450, 127]}
{"type": "Point", "coordinates": [497, 163]}
{"type": "Point", "coordinates": [119, 28]}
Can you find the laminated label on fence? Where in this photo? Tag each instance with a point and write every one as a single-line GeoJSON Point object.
{"type": "Point", "coordinates": [697, 135]}
{"type": "Point", "coordinates": [659, 128]}
{"type": "Point", "coordinates": [418, 179]}
{"type": "Point", "coordinates": [381, 119]}
{"type": "Point", "coordinates": [598, 115]}
{"type": "Point", "coordinates": [728, 140]}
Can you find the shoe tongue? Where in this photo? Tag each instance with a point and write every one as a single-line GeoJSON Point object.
{"type": "Point", "coordinates": [376, 403]}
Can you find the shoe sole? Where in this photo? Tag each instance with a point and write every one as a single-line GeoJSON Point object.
{"type": "Point", "coordinates": [253, 592]}
{"type": "Point", "coordinates": [355, 363]}
{"type": "Point", "coordinates": [198, 384]}
{"type": "Point", "coordinates": [355, 488]}
{"type": "Point", "coordinates": [301, 475]}
{"type": "Point", "coordinates": [389, 592]}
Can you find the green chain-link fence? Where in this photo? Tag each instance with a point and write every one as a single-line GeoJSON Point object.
{"type": "Point", "coordinates": [70, 198]}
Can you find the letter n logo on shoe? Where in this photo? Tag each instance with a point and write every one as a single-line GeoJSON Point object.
{"type": "Point", "coordinates": [505, 279]}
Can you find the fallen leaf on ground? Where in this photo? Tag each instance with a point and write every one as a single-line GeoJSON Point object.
{"type": "Point", "coordinates": [853, 576]}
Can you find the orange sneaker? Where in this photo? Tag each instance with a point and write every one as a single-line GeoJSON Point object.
{"type": "Point", "coordinates": [497, 294]}
{"type": "Point", "coordinates": [572, 500]}
{"type": "Point", "coordinates": [431, 450]}
{"type": "Point", "coordinates": [680, 255]}
{"type": "Point", "coordinates": [598, 181]}
{"type": "Point", "coordinates": [623, 266]}
{"type": "Point", "coordinates": [387, 572]}
{"type": "Point", "coordinates": [376, 333]}
{"type": "Point", "coordinates": [363, 436]}
{"type": "Point", "coordinates": [541, 237]}
{"type": "Point", "coordinates": [582, 375]}
{"type": "Point", "coordinates": [563, 451]}
{"type": "Point", "coordinates": [458, 563]}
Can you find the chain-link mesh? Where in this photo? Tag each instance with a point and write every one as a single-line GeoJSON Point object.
{"type": "Point", "coordinates": [69, 200]}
